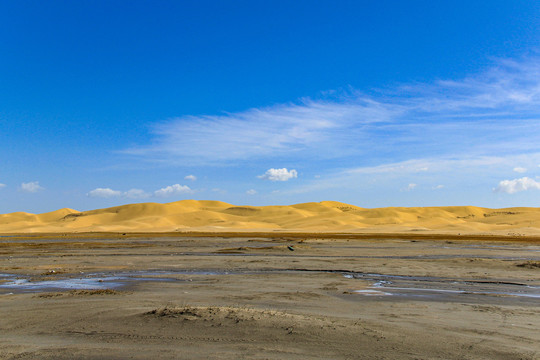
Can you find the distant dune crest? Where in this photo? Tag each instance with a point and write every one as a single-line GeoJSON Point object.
{"type": "Point", "coordinates": [325, 216]}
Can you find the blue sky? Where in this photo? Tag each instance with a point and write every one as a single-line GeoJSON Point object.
{"type": "Point", "coordinates": [374, 103]}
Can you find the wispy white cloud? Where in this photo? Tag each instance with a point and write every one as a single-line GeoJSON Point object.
{"type": "Point", "coordinates": [516, 185]}
{"type": "Point", "coordinates": [31, 187]}
{"type": "Point", "coordinates": [471, 171]}
{"type": "Point", "coordinates": [167, 191]}
{"type": "Point", "coordinates": [136, 194]}
{"type": "Point", "coordinates": [411, 187]}
{"type": "Point", "coordinates": [110, 193]}
{"type": "Point", "coordinates": [438, 187]}
{"type": "Point", "coordinates": [257, 133]}
{"type": "Point", "coordinates": [408, 166]}
{"type": "Point", "coordinates": [465, 133]}
{"type": "Point", "coordinates": [494, 112]}
{"type": "Point", "coordinates": [429, 165]}
{"type": "Point", "coordinates": [173, 190]}
{"type": "Point", "coordinates": [279, 174]}
{"type": "Point", "coordinates": [190, 177]}
{"type": "Point", "coordinates": [2, 185]}
{"type": "Point", "coordinates": [251, 192]}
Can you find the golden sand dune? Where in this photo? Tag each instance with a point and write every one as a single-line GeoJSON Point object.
{"type": "Point", "coordinates": [325, 216]}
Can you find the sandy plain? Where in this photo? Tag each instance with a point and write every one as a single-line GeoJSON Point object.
{"type": "Point", "coordinates": [209, 280]}
{"type": "Point", "coordinates": [269, 296]}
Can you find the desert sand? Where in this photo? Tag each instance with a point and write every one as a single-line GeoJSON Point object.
{"type": "Point", "coordinates": [325, 216]}
{"type": "Point", "coordinates": [228, 282]}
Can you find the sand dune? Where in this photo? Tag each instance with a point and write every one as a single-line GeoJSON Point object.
{"type": "Point", "coordinates": [325, 216]}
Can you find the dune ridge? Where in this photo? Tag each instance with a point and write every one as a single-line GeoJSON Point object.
{"type": "Point", "coordinates": [324, 216]}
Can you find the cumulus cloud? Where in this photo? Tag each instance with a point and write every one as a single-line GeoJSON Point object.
{"type": "Point", "coordinates": [520, 169]}
{"type": "Point", "coordinates": [190, 177]}
{"type": "Point", "coordinates": [172, 190]}
{"type": "Point", "coordinates": [516, 185]}
{"type": "Point", "coordinates": [251, 192]}
{"type": "Point", "coordinates": [104, 193]}
{"type": "Point", "coordinates": [31, 187]}
{"type": "Point", "coordinates": [279, 174]}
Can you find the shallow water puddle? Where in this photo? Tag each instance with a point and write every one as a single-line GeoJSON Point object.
{"type": "Point", "coordinates": [79, 284]}
{"type": "Point", "coordinates": [25, 284]}
{"type": "Point", "coordinates": [97, 281]}
{"type": "Point", "coordinates": [20, 284]}
{"type": "Point", "coordinates": [368, 292]}
{"type": "Point", "coordinates": [415, 287]}
{"type": "Point", "coordinates": [441, 288]}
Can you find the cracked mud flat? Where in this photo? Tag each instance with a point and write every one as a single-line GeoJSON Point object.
{"type": "Point", "coordinates": [268, 298]}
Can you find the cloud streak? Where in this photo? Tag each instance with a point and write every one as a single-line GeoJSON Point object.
{"type": "Point", "coordinates": [259, 133]}
{"type": "Point", "coordinates": [495, 112]}
{"type": "Point", "coordinates": [468, 134]}
{"type": "Point", "coordinates": [475, 171]}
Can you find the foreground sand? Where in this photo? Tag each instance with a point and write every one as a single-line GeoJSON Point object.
{"type": "Point", "coordinates": [325, 216]}
{"type": "Point", "coordinates": [274, 297]}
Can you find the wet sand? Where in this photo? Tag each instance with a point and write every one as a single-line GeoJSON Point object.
{"type": "Point", "coordinates": [260, 296]}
